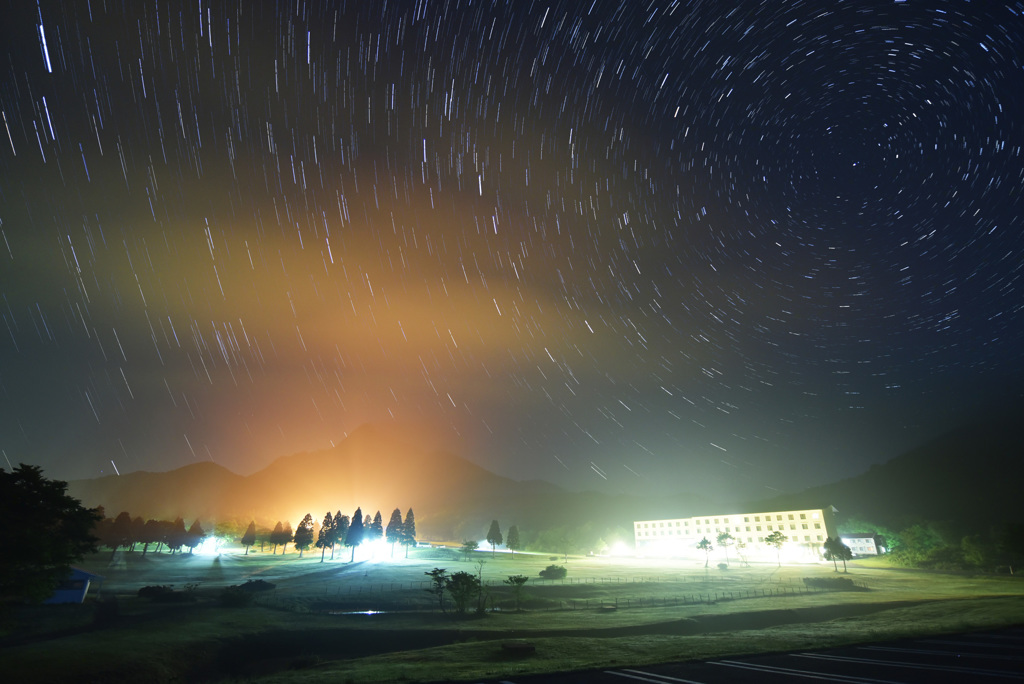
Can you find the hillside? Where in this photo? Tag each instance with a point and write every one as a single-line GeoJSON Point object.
{"type": "Point", "coordinates": [375, 469]}
{"type": "Point", "coordinates": [968, 478]}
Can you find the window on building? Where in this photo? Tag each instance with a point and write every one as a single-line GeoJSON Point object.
{"type": "Point", "coordinates": [814, 515]}
{"type": "Point", "coordinates": [757, 518]}
{"type": "Point", "coordinates": [792, 526]}
{"type": "Point", "coordinates": [790, 516]}
{"type": "Point", "coordinates": [770, 528]}
{"type": "Point", "coordinates": [807, 537]}
{"type": "Point", "coordinates": [817, 526]}
{"type": "Point", "coordinates": [819, 537]}
{"type": "Point", "coordinates": [748, 528]}
{"type": "Point", "coordinates": [758, 528]}
{"type": "Point", "coordinates": [746, 518]}
{"type": "Point", "coordinates": [803, 525]}
{"type": "Point", "coordinates": [778, 517]}
{"type": "Point", "coordinates": [803, 516]}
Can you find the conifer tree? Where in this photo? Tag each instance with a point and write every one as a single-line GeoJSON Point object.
{"type": "Point", "coordinates": [276, 536]}
{"type": "Point", "coordinates": [376, 527]}
{"type": "Point", "coordinates": [304, 534]}
{"type": "Point", "coordinates": [409, 531]}
{"type": "Point", "coordinates": [494, 536]}
{"type": "Point", "coordinates": [341, 525]}
{"type": "Point", "coordinates": [512, 543]}
{"type": "Point", "coordinates": [177, 535]}
{"type": "Point", "coordinates": [286, 537]}
{"type": "Point", "coordinates": [326, 536]}
{"type": "Point", "coordinates": [249, 538]}
{"type": "Point", "coordinates": [355, 533]}
{"type": "Point", "coordinates": [395, 529]}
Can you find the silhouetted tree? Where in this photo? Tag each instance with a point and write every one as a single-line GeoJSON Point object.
{"type": "Point", "coordinates": [286, 537]}
{"type": "Point", "coordinates": [438, 578]}
{"type": "Point", "coordinates": [409, 531]}
{"type": "Point", "coordinates": [304, 534]}
{"type": "Point", "coordinates": [355, 533]}
{"type": "Point", "coordinates": [194, 537]}
{"type": "Point", "coordinates": [393, 534]}
{"type": "Point", "coordinates": [43, 531]}
{"type": "Point", "coordinates": [150, 534]}
{"type": "Point", "coordinates": [326, 536]}
{"type": "Point", "coordinates": [249, 538]}
{"type": "Point", "coordinates": [494, 536]}
{"type": "Point", "coordinates": [138, 531]}
{"type": "Point", "coordinates": [725, 540]}
{"type": "Point", "coordinates": [376, 527]}
{"type": "Point", "coordinates": [776, 539]}
{"type": "Point", "coordinates": [277, 537]}
{"type": "Point", "coordinates": [120, 533]}
{"type": "Point", "coordinates": [341, 525]}
{"type": "Point", "coordinates": [705, 546]}
{"type": "Point", "coordinates": [469, 546]}
{"type": "Point", "coordinates": [463, 587]}
{"type": "Point", "coordinates": [176, 538]}
{"type": "Point", "coordinates": [512, 543]}
{"type": "Point", "coordinates": [516, 582]}
{"type": "Point", "coordinates": [336, 536]}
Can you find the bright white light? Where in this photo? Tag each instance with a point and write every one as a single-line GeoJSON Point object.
{"type": "Point", "coordinates": [377, 550]}
{"type": "Point", "coordinates": [619, 548]}
{"type": "Point", "coordinates": [209, 547]}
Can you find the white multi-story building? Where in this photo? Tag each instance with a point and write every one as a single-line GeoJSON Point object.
{"type": "Point", "coordinates": [805, 532]}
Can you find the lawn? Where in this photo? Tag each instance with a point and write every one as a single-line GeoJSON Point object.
{"type": "Point", "coordinates": [607, 612]}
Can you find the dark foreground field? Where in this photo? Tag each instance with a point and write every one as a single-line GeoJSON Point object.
{"type": "Point", "coordinates": [608, 612]}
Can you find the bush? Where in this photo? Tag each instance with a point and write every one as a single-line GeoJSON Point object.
{"type": "Point", "coordinates": [723, 566]}
{"type": "Point", "coordinates": [831, 583]}
{"type": "Point", "coordinates": [257, 585]}
{"type": "Point", "coordinates": [164, 593]}
{"type": "Point", "coordinates": [236, 597]}
{"type": "Point", "coordinates": [554, 572]}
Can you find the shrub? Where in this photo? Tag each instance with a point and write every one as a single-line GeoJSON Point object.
{"type": "Point", "coordinates": [554, 572]}
{"type": "Point", "coordinates": [257, 585]}
{"type": "Point", "coordinates": [831, 583]}
{"type": "Point", "coordinates": [723, 566]}
{"type": "Point", "coordinates": [236, 597]}
{"type": "Point", "coordinates": [164, 593]}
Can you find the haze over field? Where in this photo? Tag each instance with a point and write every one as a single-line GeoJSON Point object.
{"type": "Point", "coordinates": [731, 248]}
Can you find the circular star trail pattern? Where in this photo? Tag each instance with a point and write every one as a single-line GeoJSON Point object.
{"type": "Point", "coordinates": [641, 246]}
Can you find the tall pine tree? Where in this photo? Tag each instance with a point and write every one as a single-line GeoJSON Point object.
{"type": "Point", "coordinates": [195, 536]}
{"type": "Point", "coordinates": [394, 531]}
{"type": "Point", "coordinates": [326, 536]}
{"type": "Point", "coordinates": [512, 542]}
{"type": "Point", "coordinates": [276, 536]}
{"type": "Point", "coordinates": [355, 533]}
{"type": "Point", "coordinates": [341, 525]}
{"type": "Point", "coordinates": [494, 537]}
{"type": "Point", "coordinates": [409, 531]}
{"type": "Point", "coordinates": [304, 534]}
{"type": "Point", "coordinates": [249, 538]}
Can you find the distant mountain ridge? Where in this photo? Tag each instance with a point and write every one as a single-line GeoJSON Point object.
{"type": "Point", "coordinates": [968, 478]}
{"type": "Point", "coordinates": [373, 468]}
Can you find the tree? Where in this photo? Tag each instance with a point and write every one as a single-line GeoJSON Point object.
{"type": "Point", "coordinates": [463, 587]}
{"type": "Point", "coordinates": [120, 533]}
{"type": "Point", "coordinates": [845, 554]}
{"type": "Point", "coordinates": [249, 538]}
{"type": "Point", "coordinates": [409, 531]}
{"type": "Point", "coordinates": [150, 534]}
{"type": "Point", "coordinates": [776, 539]}
{"type": "Point", "coordinates": [725, 540]}
{"type": "Point", "coordinates": [194, 537]}
{"type": "Point", "coordinates": [395, 530]}
{"type": "Point", "coordinates": [468, 547]}
{"type": "Point", "coordinates": [44, 531]}
{"type": "Point", "coordinates": [276, 537]}
{"type": "Point", "coordinates": [437, 576]}
{"type": "Point", "coordinates": [494, 536]}
{"type": "Point", "coordinates": [355, 532]}
{"type": "Point", "coordinates": [376, 528]}
{"type": "Point", "coordinates": [304, 534]}
{"type": "Point", "coordinates": [325, 537]}
{"type": "Point", "coordinates": [341, 525]}
{"type": "Point", "coordinates": [705, 546]}
{"type": "Point", "coordinates": [176, 538]}
{"type": "Point", "coordinates": [516, 582]}
{"type": "Point", "coordinates": [138, 531]}
{"type": "Point", "coordinates": [286, 537]}
{"type": "Point", "coordinates": [512, 543]}
{"type": "Point", "coordinates": [831, 547]}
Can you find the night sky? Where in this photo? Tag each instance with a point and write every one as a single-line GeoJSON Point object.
{"type": "Point", "coordinates": [635, 246]}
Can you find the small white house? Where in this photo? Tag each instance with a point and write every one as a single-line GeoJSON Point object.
{"type": "Point", "coordinates": [864, 543]}
{"type": "Point", "coordinates": [74, 588]}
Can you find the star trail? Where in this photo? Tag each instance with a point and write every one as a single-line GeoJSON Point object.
{"type": "Point", "coordinates": [635, 246]}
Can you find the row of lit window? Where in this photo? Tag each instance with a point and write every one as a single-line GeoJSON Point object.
{"type": "Point", "coordinates": [719, 530]}
{"type": "Point", "coordinates": [807, 537]}
{"type": "Point", "coordinates": [707, 521]}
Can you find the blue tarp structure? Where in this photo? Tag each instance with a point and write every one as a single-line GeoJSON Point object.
{"type": "Point", "coordinates": [74, 588]}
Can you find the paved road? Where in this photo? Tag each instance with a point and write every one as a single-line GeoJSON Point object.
{"type": "Point", "coordinates": [976, 657]}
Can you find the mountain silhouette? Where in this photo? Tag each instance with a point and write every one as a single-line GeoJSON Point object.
{"type": "Point", "coordinates": [377, 467]}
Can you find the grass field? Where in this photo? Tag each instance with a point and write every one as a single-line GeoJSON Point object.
{"type": "Point", "coordinates": [316, 624]}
